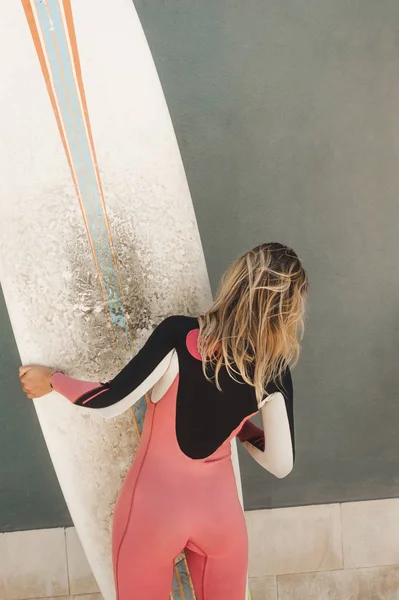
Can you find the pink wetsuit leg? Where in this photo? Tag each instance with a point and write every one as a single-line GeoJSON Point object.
{"type": "Point", "coordinates": [219, 577]}
{"type": "Point", "coordinates": [217, 551]}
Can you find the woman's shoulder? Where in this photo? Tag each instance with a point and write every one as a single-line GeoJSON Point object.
{"type": "Point", "coordinates": [282, 384]}
{"type": "Point", "coordinates": [179, 323]}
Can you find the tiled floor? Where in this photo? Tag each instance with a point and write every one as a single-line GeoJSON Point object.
{"type": "Point", "coordinates": [380, 583]}
{"type": "Point", "coordinates": [84, 597]}
{"type": "Point", "coordinates": [330, 552]}
{"type": "Point", "coordinates": [44, 564]}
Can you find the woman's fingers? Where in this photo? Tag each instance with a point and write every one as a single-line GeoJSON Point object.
{"type": "Point", "coordinates": [29, 391]}
{"type": "Point", "coordinates": [24, 369]}
{"type": "Point", "coordinates": [32, 394]}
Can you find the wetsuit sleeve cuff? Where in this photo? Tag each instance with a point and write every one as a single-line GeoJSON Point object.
{"type": "Point", "coordinates": [71, 388]}
{"type": "Point", "coordinates": [252, 434]}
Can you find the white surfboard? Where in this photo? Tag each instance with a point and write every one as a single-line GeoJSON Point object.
{"type": "Point", "coordinates": [98, 237]}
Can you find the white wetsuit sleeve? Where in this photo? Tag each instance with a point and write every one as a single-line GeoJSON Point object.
{"type": "Point", "coordinates": [275, 450]}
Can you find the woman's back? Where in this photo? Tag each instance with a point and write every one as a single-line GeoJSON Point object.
{"type": "Point", "coordinates": [206, 414]}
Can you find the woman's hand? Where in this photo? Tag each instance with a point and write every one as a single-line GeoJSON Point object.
{"type": "Point", "coordinates": [35, 380]}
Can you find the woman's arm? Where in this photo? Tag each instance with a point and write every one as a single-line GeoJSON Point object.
{"type": "Point", "coordinates": [274, 447]}
{"type": "Point", "coordinates": [253, 434]}
{"type": "Point", "coordinates": [115, 396]}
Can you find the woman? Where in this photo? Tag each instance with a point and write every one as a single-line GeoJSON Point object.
{"type": "Point", "coordinates": [208, 377]}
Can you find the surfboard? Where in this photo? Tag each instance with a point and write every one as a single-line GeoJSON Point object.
{"type": "Point", "coordinates": [99, 239]}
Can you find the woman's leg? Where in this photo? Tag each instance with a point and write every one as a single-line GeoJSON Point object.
{"type": "Point", "coordinates": [139, 574]}
{"type": "Point", "coordinates": [217, 553]}
{"type": "Point", "coordinates": [145, 541]}
{"type": "Point", "coordinates": [221, 577]}
{"type": "Point", "coordinates": [196, 566]}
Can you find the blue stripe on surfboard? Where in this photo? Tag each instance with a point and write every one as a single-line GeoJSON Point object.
{"type": "Point", "coordinates": [139, 416]}
{"type": "Point", "coordinates": [184, 586]}
{"type": "Point", "coordinates": [143, 405]}
{"type": "Point", "coordinates": [175, 588]}
{"type": "Point", "coordinates": [67, 94]}
{"type": "Point", "coordinates": [68, 100]}
{"type": "Point", "coordinates": [188, 594]}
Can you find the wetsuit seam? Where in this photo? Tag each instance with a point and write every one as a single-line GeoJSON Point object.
{"type": "Point", "coordinates": [203, 577]}
{"type": "Point", "coordinates": [205, 555]}
{"type": "Point", "coordinates": [131, 506]}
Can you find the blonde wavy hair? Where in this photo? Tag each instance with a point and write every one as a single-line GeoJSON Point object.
{"type": "Point", "coordinates": [255, 325]}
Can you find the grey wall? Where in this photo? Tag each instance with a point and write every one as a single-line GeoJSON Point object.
{"type": "Point", "coordinates": [287, 118]}
{"type": "Point", "coordinates": [30, 497]}
{"type": "Point", "coordinates": [288, 121]}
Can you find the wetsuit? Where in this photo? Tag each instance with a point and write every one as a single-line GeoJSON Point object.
{"type": "Point", "coordinates": [180, 492]}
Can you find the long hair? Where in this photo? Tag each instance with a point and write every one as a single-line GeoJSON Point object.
{"type": "Point", "coordinates": [255, 325]}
